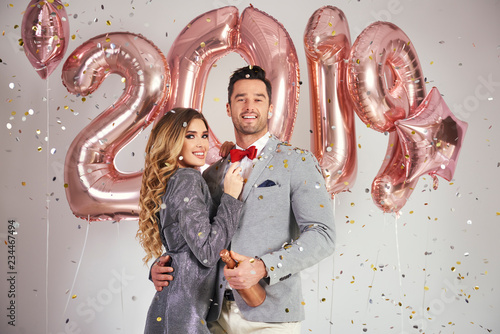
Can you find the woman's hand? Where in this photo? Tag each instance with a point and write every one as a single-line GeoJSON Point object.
{"type": "Point", "coordinates": [225, 148]}
{"type": "Point", "coordinates": [233, 181]}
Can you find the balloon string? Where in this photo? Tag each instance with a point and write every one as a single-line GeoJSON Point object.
{"type": "Point", "coordinates": [375, 269]}
{"type": "Point", "coordinates": [399, 271]}
{"type": "Point", "coordinates": [78, 266]}
{"type": "Point", "coordinates": [333, 274]}
{"type": "Point", "coordinates": [121, 281]}
{"type": "Point", "coordinates": [425, 270]}
{"type": "Point", "coordinates": [47, 192]}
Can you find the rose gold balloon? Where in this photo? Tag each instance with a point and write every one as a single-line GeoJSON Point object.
{"type": "Point", "coordinates": [390, 188]}
{"type": "Point", "coordinates": [199, 45]}
{"type": "Point", "coordinates": [327, 45]}
{"type": "Point", "coordinates": [431, 139]}
{"type": "Point", "coordinates": [386, 84]}
{"type": "Point", "coordinates": [380, 48]}
{"type": "Point", "coordinates": [45, 33]}
{"type": "Point", "coordinates": [259, 39]}
{"type": "Point", "coordinates": [96, 190]}
{"type": "Point", "coordinates": [263, 41]}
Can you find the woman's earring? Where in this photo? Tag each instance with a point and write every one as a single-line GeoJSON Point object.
{"type": "Point", "coordinates": [181, 157]}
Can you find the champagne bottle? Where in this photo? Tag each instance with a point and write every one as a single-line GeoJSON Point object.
{"type": "Point", "coordinates": [253, 296]}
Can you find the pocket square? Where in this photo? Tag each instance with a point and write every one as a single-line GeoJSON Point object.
{"type": "Point", "coordinates": [267, 183]}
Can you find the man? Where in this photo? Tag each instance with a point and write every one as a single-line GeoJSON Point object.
{"type": "Point", "coordinates": [286, 223]}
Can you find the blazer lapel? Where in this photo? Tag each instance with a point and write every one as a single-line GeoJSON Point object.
{"type": "Point", "coordinates": [262, 162]}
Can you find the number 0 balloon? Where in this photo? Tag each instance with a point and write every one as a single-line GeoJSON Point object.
{"type": "Point", "coordinates": [256, 37]}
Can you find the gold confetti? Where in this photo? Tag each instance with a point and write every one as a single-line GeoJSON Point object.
{"type": "Point", "coordinates": [108, 22]}
{"type": "Point", "coordinates": [287, 310]}
{"type": "Point", "coordinates": [209, 19]}
{"type": "Point", "coordinates": [452, 268]}
{"type": "Point", "coordinates": [39, 149]}
{"type": "Point", "coordinates": [261, 197]}
{"type": "Point", "coordinates": [333, 33]}
{"type": "Point", "coordinates": [23, 183]}
{"type": "Point", "coordinates": [202, 44]}
{"type": "Point", "coordinates": [108, 39]}
{"type": "Point", "coordinates": [426, 288]}
{"type": "Point", "coordinates": [66, 185]}
{"type": "Point", "coordinates": [73, 297]}
{"type": "Point", "coordinates": [158, 319]}
{"type": "Point", "coordinates": [303, 303]}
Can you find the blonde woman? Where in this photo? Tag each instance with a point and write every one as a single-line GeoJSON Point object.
{"type": "Point", "coordinates": [177, 213]}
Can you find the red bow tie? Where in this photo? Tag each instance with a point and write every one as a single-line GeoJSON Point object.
{"type": "Point", "coordinates": [237, 155]}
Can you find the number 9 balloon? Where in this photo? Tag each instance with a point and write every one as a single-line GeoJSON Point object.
{"type": "Point", "coordinates": [45, 33]}
{"type": "Point", "coordinates": [386, 84]}
{"type": "Point", "coordinates": [95, 189]}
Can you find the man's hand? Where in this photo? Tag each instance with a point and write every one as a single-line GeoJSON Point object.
{"type": "Point", "coordinates": [159, 272]}
{"type": "Point", "coordinates": [248, 272]}
{"type": "Point", "coordinates": [226, 148]}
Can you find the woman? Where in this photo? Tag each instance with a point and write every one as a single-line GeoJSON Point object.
{"type": "Point", "coordinates": [177, 212]}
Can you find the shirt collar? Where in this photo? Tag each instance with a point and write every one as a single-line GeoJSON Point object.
{"type": "Point", "coordinates": [259, 143]}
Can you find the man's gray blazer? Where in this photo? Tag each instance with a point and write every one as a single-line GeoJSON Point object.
{"type": "Point", "coordinates": [286, 220]}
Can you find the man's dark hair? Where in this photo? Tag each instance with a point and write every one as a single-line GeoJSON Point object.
{"type": "Point", "coordinates": [248, 72]}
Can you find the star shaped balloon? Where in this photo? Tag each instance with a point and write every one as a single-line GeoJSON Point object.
{"type": "Point", "coordinates": [431, 139]}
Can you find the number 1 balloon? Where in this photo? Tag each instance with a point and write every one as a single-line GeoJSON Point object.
{"type": "Point", "coordinates": [327, 45]}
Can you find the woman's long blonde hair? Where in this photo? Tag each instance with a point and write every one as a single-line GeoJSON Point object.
{"type": "Point", "coordinates": [162, 160]}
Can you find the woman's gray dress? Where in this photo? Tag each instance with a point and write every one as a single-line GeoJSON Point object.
{"type": "Point", "coordinates": [193, 232]}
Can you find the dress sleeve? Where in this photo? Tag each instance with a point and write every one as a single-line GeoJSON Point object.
{"type": "Point", "coordinates": [205, 237]}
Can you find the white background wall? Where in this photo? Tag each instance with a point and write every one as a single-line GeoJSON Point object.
{"type": "Point", "coordinates": [414, 288]}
